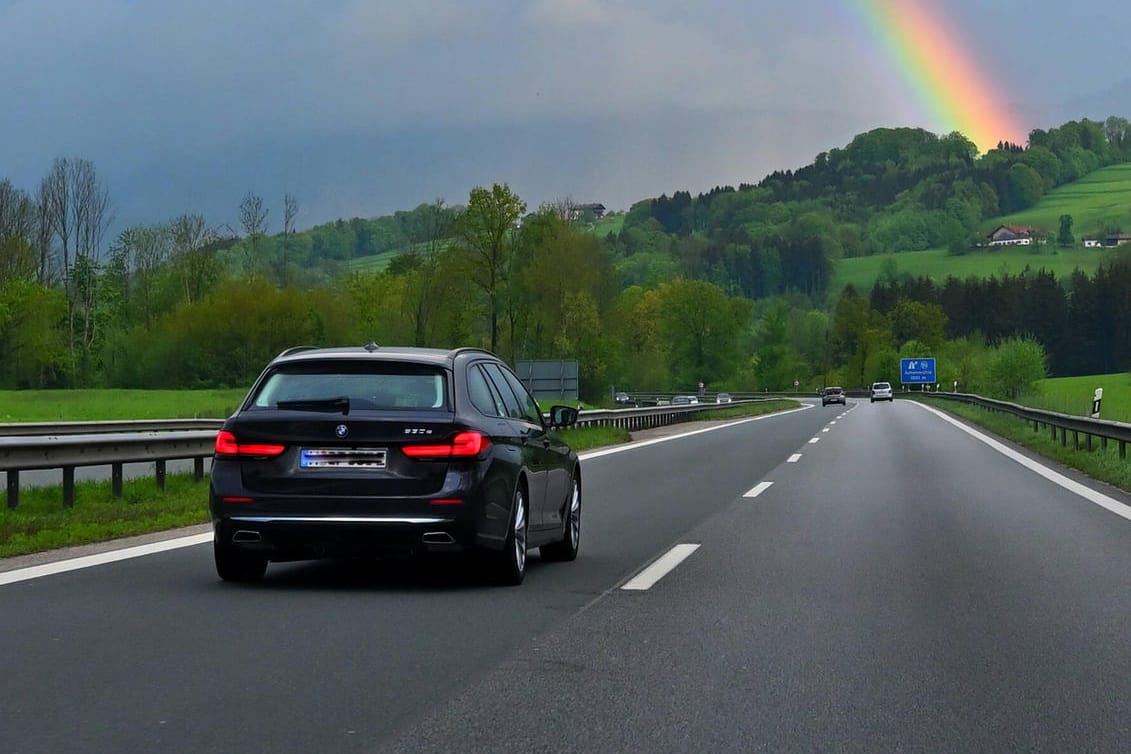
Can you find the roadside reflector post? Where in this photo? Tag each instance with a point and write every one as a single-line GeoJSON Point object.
{"type": "Point", "coordinates": [13, 489]}
{"type": "Point", "coordinates": [1096, 400]}
{"type": "Point", "coordinates": [69, 486]}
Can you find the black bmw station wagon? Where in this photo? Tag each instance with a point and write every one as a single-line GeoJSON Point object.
{"type": "Point", "coordinates": [355, 451]}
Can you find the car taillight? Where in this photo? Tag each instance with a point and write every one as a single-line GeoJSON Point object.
{"type": "Point", "coordinates": [227, 445]}
{"type": "Point", "coordinates": [463, 445]}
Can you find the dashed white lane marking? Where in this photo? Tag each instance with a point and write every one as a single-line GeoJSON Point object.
{"type": "Point", "coordinates": [645, 443]}
{"type": "Point", "coordinates": [758, 489]}
{"type": "Point", "coordinates": [814, 441]}
{"type": "Point", "coordinates": [74, 564]}
{"type": "Point", "coordinates": [1055, 477]}
{"type": "Point", "coordinates": [794, 458]}
{"type": "Point", "coordinates": [659, 568]}
{"type": "Point", "coordinates": [832, 422]}
{"type": "Point", "coordinates": [826, 429]}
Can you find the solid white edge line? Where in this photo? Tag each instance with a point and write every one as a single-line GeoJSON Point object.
{"type": "Point", "coordinates": [659, 568]}
{"type": "Point", "coordinates": [758, 489]}
{"type": "Point", "coordinates": [656, 440]}
{"type": "Point", "coordinates": [1100, 499]}
{"type": "Point", "coordinates": [74, 564]}
{"type": "Point", "coordinates": [794, 458]}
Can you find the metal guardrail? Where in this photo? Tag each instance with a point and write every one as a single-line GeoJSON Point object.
{"type": "Point", "coordinates": [1059, 424]}
{"type": "Point", "coordinates": [31, 429]}
{"type": "Point", "coordinates": [114, 449]}
{"type": "Point", "coordinates": [68, 445]}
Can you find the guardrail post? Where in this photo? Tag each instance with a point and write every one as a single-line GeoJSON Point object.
{"type": "Point", "coordinates": [1089, 442]}
{"type": "Point", "coordinates": [1122, 451]}
{"type": "Point", "coordinates": [159, 470]}
{"type": "Point", "coordinates": [116, 479]}
{"type": "Point", "coordinates": [198, 468]}
{"type": "Point", "coordinates": [1075, 440]}
{"type": "Point", "coordinates": [69, 486]}
{"type": "Point", "coordinates": [13, 489]}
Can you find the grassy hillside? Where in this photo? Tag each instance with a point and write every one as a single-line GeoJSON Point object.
{"type": "Point", "coordinates": [937, 264]}
{"type": "Point", "coordinates": [374, 263]}
{"type": "Point", "coordinates": [1099, 199]}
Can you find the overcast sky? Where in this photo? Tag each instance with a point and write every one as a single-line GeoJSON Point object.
{"type": "Point", "coordinates": [363, 107]}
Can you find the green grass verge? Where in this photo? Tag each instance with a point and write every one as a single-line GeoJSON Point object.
{"type": "Point", "coordinates": [747, 409]}
{"type": "Point", "coordinates": [587, 438]}
{"type": "Point", "coordinates": [42, 522]}
{"type": "Point", "coordinates": [108, 405]}
{"type": "Point", "coordinates": [1102, 464]}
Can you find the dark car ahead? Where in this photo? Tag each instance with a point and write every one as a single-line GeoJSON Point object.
{"type": "Point", "coordinates": [361, 451]}
{"type": "Point", "coordinates": [833, 395]}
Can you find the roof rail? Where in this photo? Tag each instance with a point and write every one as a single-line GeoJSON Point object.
{"type": "Point", "coordinates": [471, 349]}
{"type": "Point", "coordinates": [294, 349]}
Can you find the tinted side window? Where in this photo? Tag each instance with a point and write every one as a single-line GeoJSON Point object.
{"type": "Point", "coordinates": [482, 396]}
{"type": "Point", "coordinates": [514, 411]}
{"type": "Point", "coordinates": [529, 406]}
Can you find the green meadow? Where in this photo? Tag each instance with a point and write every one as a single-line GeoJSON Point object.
{"type": "Point", "coordinates": [111, 405]}
{"type": "Point", "coordinates": [610, 223]}
{"type": "Point", "coordinates": [372, 263]}
{"type": "Point", "coordinates": [1073, 395]}
{"type": "Point", "coordinates": [937, 264]}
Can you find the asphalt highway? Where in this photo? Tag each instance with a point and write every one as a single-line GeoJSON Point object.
{"type": "Point", "coordinates": [895, 585]}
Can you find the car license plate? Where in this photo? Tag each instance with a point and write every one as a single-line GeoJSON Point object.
{"type": "Point", "coordinates": [342, 458]}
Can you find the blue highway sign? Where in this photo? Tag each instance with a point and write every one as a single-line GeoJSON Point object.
{"type": "Point", "coordinates": [917, 371]}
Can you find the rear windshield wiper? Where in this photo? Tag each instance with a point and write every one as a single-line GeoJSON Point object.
{"type": "Point", "coordinates": [318, 404]}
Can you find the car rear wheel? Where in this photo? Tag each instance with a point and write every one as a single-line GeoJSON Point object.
{"type": "Point", "coordinates": [566, 548]}
{"type": "Point", "coordinates": [512, 560]}
{"type": "Point", "coordinates": [236, 565]}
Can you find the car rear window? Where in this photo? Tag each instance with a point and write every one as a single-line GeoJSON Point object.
{"type": "Point", "coordinates": [882, 386]}
{"type": "Point", "coordinates": [370, 385]}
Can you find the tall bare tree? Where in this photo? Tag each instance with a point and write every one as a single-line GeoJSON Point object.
{"type": "Point", "coordinates": [253, 220]}
{"type": "Point", "coordinates": [425, 281]}
{"type": "Point", "coordinates": [17, 221]}
{"type": "Point", "coordinates": [145, 250]}
{"type": "Point", "coordinates": [290, 212]}
{"type": "Point", "coordinates": [194, 260]}
{"type": "Point", "coordinates": [78, 213]}
{"type": "Point", "coordinates": [46, 274]}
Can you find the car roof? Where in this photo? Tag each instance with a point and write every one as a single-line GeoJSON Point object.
{"type": "Point", "coordinates": [435, 356]}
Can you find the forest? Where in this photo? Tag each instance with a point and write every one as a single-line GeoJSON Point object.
{"type": "Point", "coordinates": [730, 287]}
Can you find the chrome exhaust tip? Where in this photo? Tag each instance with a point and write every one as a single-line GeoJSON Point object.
{"type": "Point", "coordinates": [438, 538]}
{"type": "Point", "coordinates": [244, 535]}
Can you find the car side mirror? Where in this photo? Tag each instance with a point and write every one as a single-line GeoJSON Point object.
{"type": "Point", "coordinates": [563, 416]}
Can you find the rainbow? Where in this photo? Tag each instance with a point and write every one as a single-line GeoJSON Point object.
{"type": "Point", "coordinates": [952, 88]}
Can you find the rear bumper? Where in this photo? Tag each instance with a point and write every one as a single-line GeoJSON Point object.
{"type": "Point", "coordinates": [311, 537]}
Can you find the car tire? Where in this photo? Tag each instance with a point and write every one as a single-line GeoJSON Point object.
{"type": "Point", "coordinates": [236, 565]}
{"type": "Point", "coordinates": [565, 549]}
{"type": "Point", "coordinates": [871, 400]}
{"type": "Point", "coordinates": [511, 563]}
